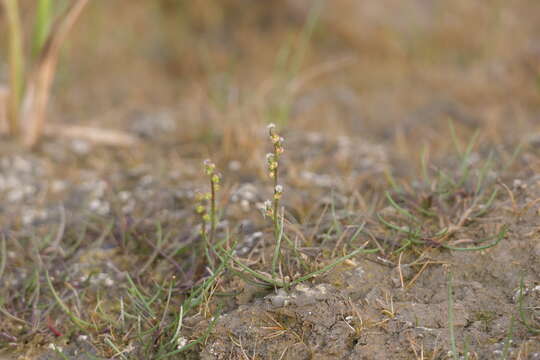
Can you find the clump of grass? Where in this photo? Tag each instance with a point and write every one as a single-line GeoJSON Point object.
{"type": "Point", "coordinates": [453, 200]}
{"type": "Point", "coordinates": [82, 324]}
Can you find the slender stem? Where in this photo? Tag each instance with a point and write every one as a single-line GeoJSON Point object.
{"type": "Point", "coordinates": [205, 243]}
{"type": "Point", "coordinates": [275, 212]}
{"type": "Point", "coordinates": [276, 203]}
{"type": "Point", "coordinates": [277, 245]}
{"type": "Point", "coordinates": [212, 211]}
{"type": "Point", "coordinates": [210, 241]}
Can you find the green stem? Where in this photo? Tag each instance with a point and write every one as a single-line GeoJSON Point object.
{"type": "Point", "coordinates": [278, 235]}
{"type": "Point", "coordinates": [275, 218]}
{"type": "Point", "coordinates": [212, 212]}
{"type": "Point", "coordinates": [212, 221]}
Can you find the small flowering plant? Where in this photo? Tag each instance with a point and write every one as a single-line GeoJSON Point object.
{"type": "Point", "coordinates": [271, 207]}
{"type": "Point", "coordinates": [272, 163]}
{"type": "Point", "coordinates": [218, 258]}
{"type": "Point", "coordinates": [205, 207]}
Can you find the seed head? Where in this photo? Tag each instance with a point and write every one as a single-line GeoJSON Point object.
{"type": "Point", "coordinates": [278, 191]}
{"type": "Point", "coordinates": [273, 165]}
{"type": "Point", "coordinates": [268, 210]}
{"type": "Point", "coordinates": [209, 167]}
{"type": "Point", "coordinates": [199, 209]}
{"type": "Point", "coordinates": [199, 196]}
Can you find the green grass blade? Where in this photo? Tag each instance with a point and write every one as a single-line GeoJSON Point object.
{"type": "Point", "coordinates": [16, 63]}
{"type": "Point", "coordinates": [509, 339]}
{"type": "Point", "coordinates": [44, 17]}
{"type": "Point", "coordinates": [452, 335]}
{"type": "Point", "coordinates": [305, 37]}
{"type": "Point", "coordinates": [264, 278]}
{"type": "Point", "coordinates": [483, 173]}
{"type": "Point", "coordinates": [119, 353]}
{"type": "Point", "coordinates": [199, 340]}
{"type": "Point", "coordinates": [454, 137]}
{"type": "Point", "coordinates": [465, 168]}
{"type": "Point", "coordinates": [83, 325]}
{"type": "Point", "coordinates": [522, 316]}
{"type": "Point", "coordinates": [498, 239]}
{"type": "Point", "coordinates": [334, 264]}
{"type": "Point", "coordinates": [424, 164]}
{"type": "Point", "coordinates": [487, 205]}
{"type": "Point", "coordinates": [140, 297]}
{"type": "Point", "coordinates": [399, 208]}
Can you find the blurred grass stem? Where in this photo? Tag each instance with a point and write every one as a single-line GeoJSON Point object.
{"type": "Point", "coordinates": [16, 63]}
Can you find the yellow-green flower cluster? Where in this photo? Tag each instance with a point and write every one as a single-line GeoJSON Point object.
{"type": "Point", "coordinates": [209, 167]}
{"type": "Point", "coordinates": [210, 171]}
{"type": "Point", "coordinates": [272, 165]}
{"type": "Point", "coordinates": [278, 191]}
{"type": "Point", "coordinates": [272, 159]}
{"type": "Point", "coordinates": [200, 205]}
{"type": "Point", "coordinates": [202, 200]}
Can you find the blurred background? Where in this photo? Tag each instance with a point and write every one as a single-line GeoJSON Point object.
{"type": "Point", "coordinates": [364, 66]}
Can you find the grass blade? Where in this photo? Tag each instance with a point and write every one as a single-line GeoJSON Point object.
{"type": "Point", "coordinates": [199, 340]}
{"type": "Point", "coordinates": [16, 63]}
{"type": "Point", "coordinates": [453, 346]}
{"type": "Point", "coordinates": [3, 255]}
{"type": "Point", "coordinates": [522, 316]}
{"type": "Point", "coordinates": [83, 325]}
{"type": "Point", "coordinates": [44, 14]}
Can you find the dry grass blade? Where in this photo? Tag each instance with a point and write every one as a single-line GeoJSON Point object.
{"type": "Point", "coordinates": [320, 70]}
{"type": "Point", "coordinates": [3, 255]}
{"type": "Point", "coordinates": [91, 134]}
{"type": "Point", "coordinates": [37, 96]}
{"type": "Point", "coordinates": [4, 93]}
